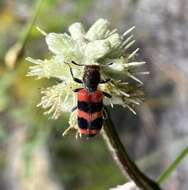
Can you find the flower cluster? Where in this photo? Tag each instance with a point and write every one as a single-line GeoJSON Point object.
{"type": "Point", "coordinates": [100, 46]}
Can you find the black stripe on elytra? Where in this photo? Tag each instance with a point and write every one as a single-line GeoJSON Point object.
{"type": "Point", "coordinates": [90, 107]}
{"type": "Point", "coordinates": [95, 124]}
{"type": "Point", "coordinates": [82, 123]}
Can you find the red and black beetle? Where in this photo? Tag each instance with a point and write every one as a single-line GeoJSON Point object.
{"type": "Point", "coordinates": [89, 100]}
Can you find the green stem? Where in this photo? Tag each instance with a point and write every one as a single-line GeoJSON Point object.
{"type": "Point", "coordinates": [16, 51]}
{"type": "Point", "coordinates": [173, 166]}
{"type": "Point", "coordinates": [122, 158]}
{"type": "Point", "coordinates": [26, 33]}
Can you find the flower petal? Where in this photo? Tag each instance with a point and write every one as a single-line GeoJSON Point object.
{"type": "Point", "coordinates": [77, 31]}
{"type": "Point", "coordinates": [59, 43]}
{"type": "Point", "coordinates": [53, 67]}
{"type": "Point", "coordinates": [97, 49]}
{"type": "Point", "coordinates": [98, 30]}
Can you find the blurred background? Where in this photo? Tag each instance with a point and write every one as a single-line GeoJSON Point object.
{"type": "Point", "coordinates": [34, 155]}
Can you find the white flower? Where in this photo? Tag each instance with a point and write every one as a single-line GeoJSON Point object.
{"type": "Point", "coordinates": [128, 186]}
{"type": "Point", "coordinates": [100, 46]}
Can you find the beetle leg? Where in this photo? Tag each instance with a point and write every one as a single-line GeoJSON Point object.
{"type": "Point", "coordinates": [73, 109]}
{"type": "Point", "coordinates": [110, 63]}
{"type": "Point", "coordinates": [74, 78]}
{"type": "Point", "coordinates": [77, 89]}
{"type": "Point", "coordinates": [77, 80]}
{"type": "Point", "coordinates": [107, 95]}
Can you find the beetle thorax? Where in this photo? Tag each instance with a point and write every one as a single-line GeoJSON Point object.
{"type": "Point", "coordinates": [91, 77]}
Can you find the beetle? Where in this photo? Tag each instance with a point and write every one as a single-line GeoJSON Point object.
{"type": "Point", "coordinates": [90, 109]}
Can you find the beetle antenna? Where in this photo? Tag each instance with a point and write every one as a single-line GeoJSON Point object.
{"type": "Point", "coordinates": [73, 62]}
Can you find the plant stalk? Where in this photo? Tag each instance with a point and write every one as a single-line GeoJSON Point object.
{"type": "Point", "coordinates": [122, 158]}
